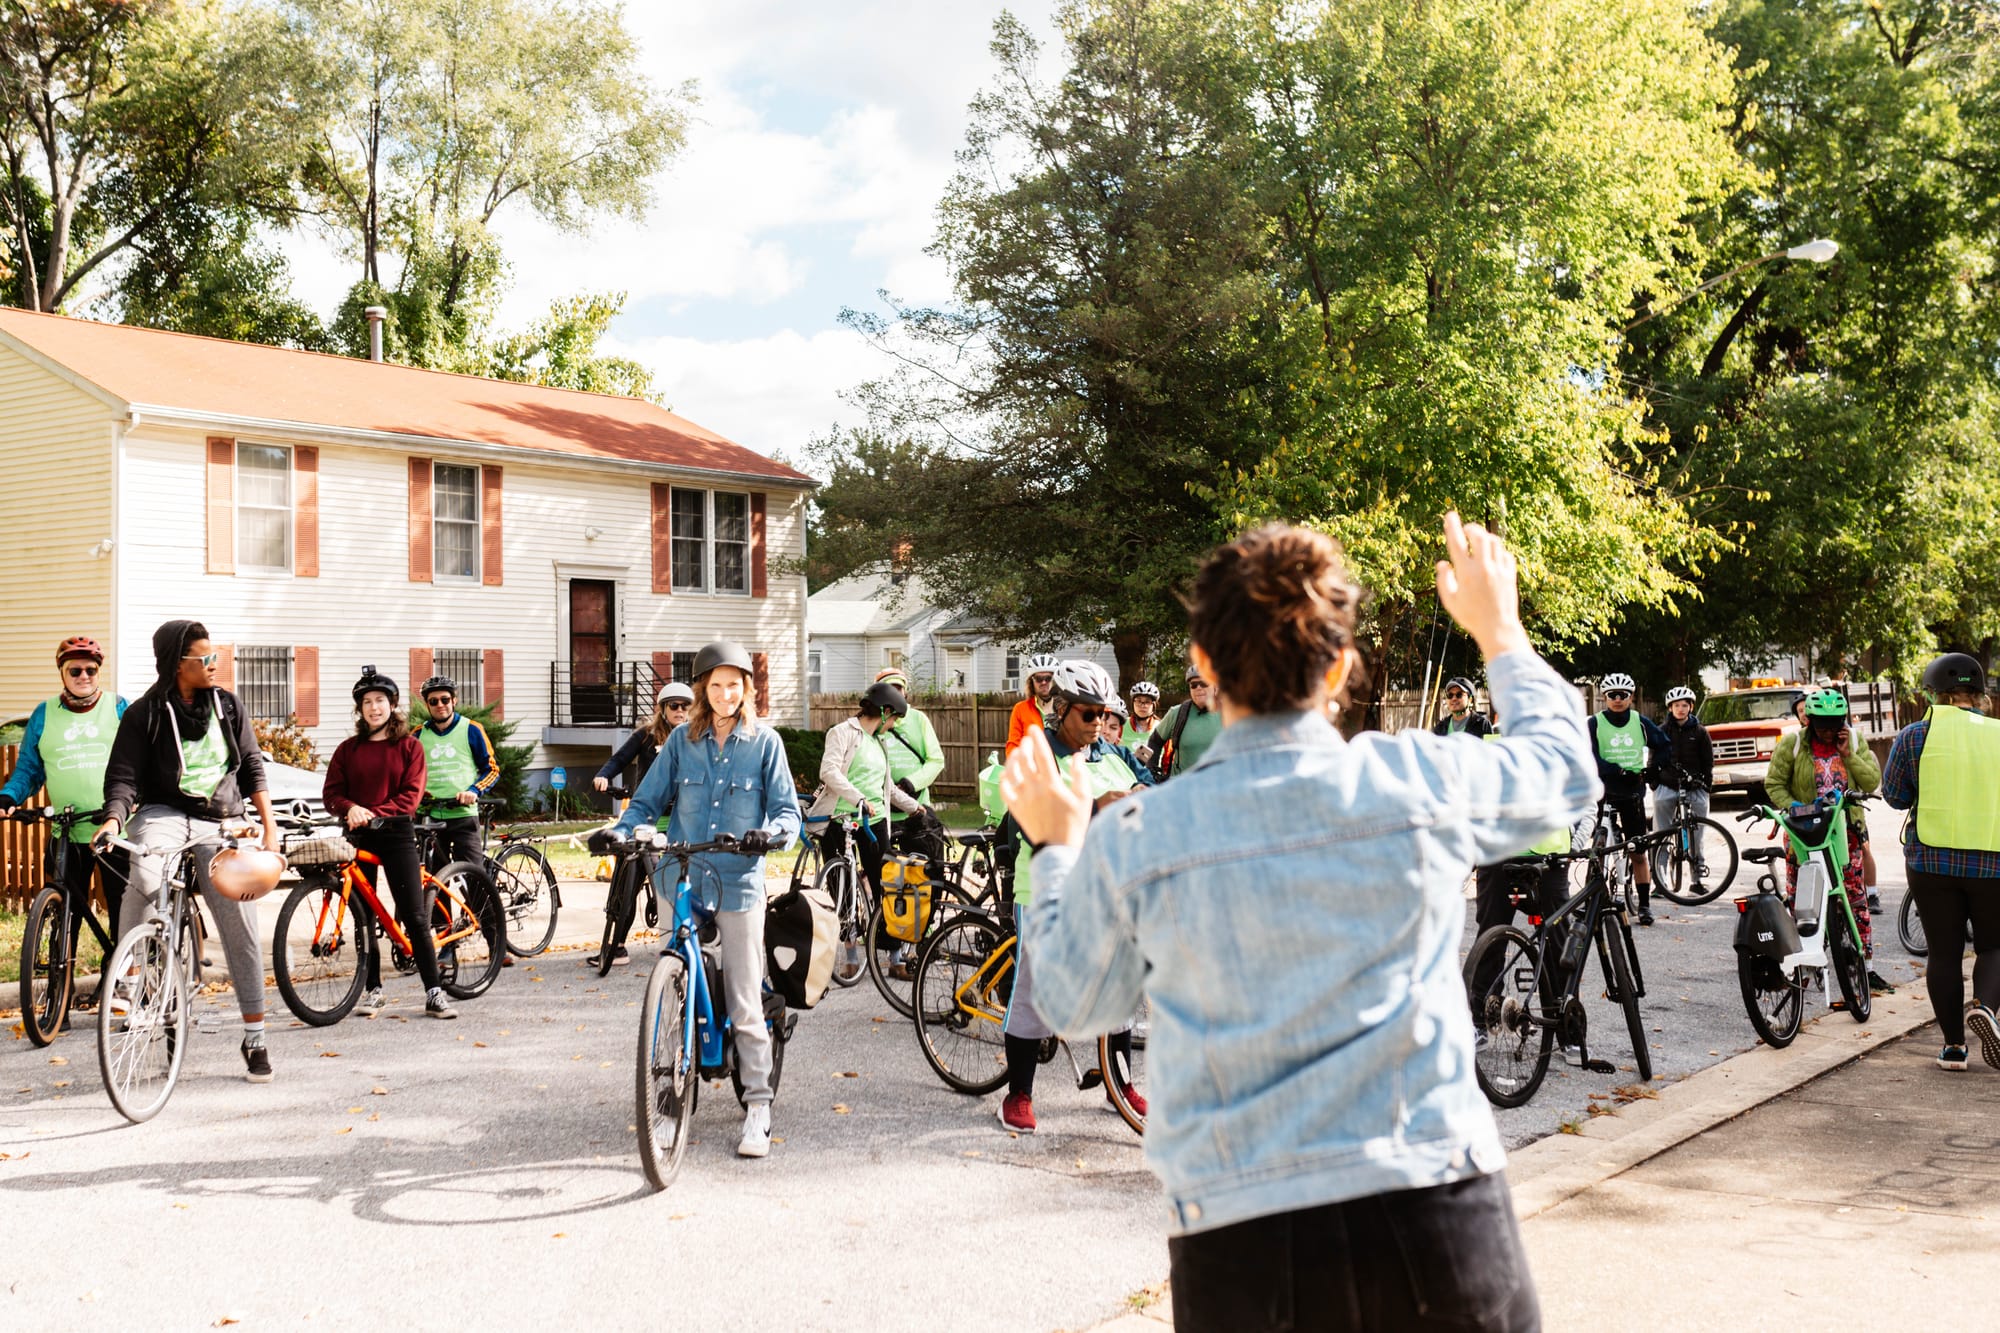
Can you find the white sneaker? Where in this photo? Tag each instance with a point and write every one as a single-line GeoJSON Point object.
{"type": "Point", "coordinates": [756, 1141]}
{"type": "Point", "coordinates": [372, 1003]}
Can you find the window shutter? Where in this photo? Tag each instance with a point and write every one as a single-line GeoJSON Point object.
{"type": "Point", "coordinates": [493, 682]}
{"type": "Point", "coordinates": [757, 583]}
{"type": "Point", "coordinates": [305, 685]}
{"type": "Point", "coordinates": [760, 680]}
{"type": "Point", "coordinates": [663, 538]}
{"type": "Point", "coordinates": [489, 526]}
{"type": "Point", "coordinates": [420, 671]}
{"type": "Point", "coordinates": [221, 505]}
{"type": "Point", "coordinates": [305, 511]}
{"type": "Point", "coordinates": [663, 670]}
{"type": "Point", "coordinates": [225, 664]}
{"type": "Point", "coordinates": [420, 520]}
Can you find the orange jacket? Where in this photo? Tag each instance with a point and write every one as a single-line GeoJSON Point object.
{"type": "Point", "coordinates": [1026, 717]}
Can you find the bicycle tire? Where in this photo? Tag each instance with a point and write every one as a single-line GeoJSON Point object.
{"type": "Point", "coordinates": [1632, 954]}
{"type": "Point", "coordinates": [1512, 1061]}
{"type": "Point", "coordinates": [46, 957]}
{"type": "Point", "coordinates": [1674, 865]}
{"type": "Point", "coordinates": [838, 880]}
{"type": "Point", "coordinates": [139, 1055]}
{"type": "Point", "coordinates": [1115, 1089]}
{"type": "Point", "coordinates": [1850, 967]}
{"type": "Point", "coordinates": [964, 1047]}
{"type": "Point", "coordinates": [1625, 993]}
{"type": "Point", "coordinates": [527, 886]}
{"type": "Point", "coordinates": [1910, 927]}
{"type": "Point", "coordinates": [666, 1082]}
{"type": "Point", "coordinates": [945, 898]}
{"type": "Point", "coordinates": [468, 966]}
{"type": "Point", "coordinates": [1778, 1023]}
{"type": "Point", "coordinates": [319, 970]}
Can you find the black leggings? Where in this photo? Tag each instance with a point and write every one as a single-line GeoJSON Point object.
{"type": "Point", "coordinates": [1947, 904]}
{"type": "Point", "coordinates": [1024, 1053]}
{"type": "Point", "coordinates": [1493, 905]}
{"type": "Point", "coordinates": [396, 844]}
{"type": "Point", "coordinates": [78, 863]}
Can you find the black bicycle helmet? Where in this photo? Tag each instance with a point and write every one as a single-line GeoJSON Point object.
{"type": "Point", "coordinates": [882, 697]}
{"type": "Point", "coordinates": [436, 683]}
{"type": "Point", "coordinates": [723, 652]}
{"type": "Point", "coordinates": [1954, 673]}
{"type": "Point", "coordinates": [371, 679]}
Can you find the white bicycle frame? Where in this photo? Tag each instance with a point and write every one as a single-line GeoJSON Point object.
{"type": "Point", "coordinates": [1813, 890]}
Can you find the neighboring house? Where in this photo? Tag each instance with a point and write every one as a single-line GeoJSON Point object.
{"type": "Point", "coordinates": [858, 626]}
{"type": "Point", "coordinates": [556, 552]}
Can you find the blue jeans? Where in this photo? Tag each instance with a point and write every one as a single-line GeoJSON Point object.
{"type": "Point", "coordinates": [1663, 813]}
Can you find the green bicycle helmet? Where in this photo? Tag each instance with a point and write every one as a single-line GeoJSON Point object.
{"type": "Point", "coordinates": [1826, 703]}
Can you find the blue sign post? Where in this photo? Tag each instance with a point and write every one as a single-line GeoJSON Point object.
{"type": "Point", "coordinates": [558, 779]}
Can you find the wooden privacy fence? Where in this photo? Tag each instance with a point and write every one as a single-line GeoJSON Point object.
{"type": "Point", "coordinates": [22, 846]}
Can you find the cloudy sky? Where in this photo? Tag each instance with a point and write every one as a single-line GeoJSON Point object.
{"type": "Point", "coordinates": [823, 140]}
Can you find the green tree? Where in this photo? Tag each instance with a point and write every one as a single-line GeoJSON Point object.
{"type": "Point", "coordinates": [210, 274]}
{"type": "Point", "coordinates": [512, 788]}
{"type": "Point", "coordinates": [561, 351]}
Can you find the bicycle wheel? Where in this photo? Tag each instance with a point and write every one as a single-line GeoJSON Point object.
{"type": "Point", "coordinates": [1513, 1005]}
{"type": "Point", "coordinates": [139, 1052]}
{"type": "Point", "coordinates": [961, 1002]}
{"type": "Point", "coordinates": [47, 969]}
{"type": "Point", "coordinates": [1850, 968]}
{"type": "Point", "coordinates": [885, 951]}
{"type": "Point", "coordinates": [620, 904]}
{"type": "Point", "coordinates": [527, 886]}
{"type": "Point", "coordinates": [1125, 1072]}
{"type": "Point", "coordinates": [1622, 990]}
{"type": "Point", "coordinates": [317, 955]}
{"type": "Point", "coordinates": [850, 955]}
{"type": "Point", "coordinates": [469, 930]}
{"type": "Point", "coordinates": [666, 1077]}
{"type": "Point", "coordinates": [1910, 927]}
{"type": "Point", "coordinates": [1774, 999]}
{"type": "Point", "coordinates": [1698, 866]}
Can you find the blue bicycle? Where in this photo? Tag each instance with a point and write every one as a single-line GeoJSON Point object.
{"type": "Point", "coordinates": [683, 1037]}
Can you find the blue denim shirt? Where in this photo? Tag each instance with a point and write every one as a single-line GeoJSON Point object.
{"type": "Point", "coordinates": [745, 783]}
{"type": "Point", "coordinates": [1292, 908]}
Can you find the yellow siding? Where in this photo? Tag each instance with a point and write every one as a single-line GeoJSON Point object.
{"type": "Point", "coordinates": [55, 505]}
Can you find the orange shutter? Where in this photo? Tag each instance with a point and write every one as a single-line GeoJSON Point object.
{"type": "Point", "coordinates": [757, 583]}
{"type": "Point", "coordinates": [663, 538]}
{"type": "Point", "coordinates": [489, 526]}
{"type": "Point", "coordinates": [221, 505]}
{"type": "Point", "coordinates": [420, 670]}
{"type": "Point", "coordinates": [420, 520]}
{"type": "Point", "coordinates": [225, 664]}
{"type": "Point", "coordinates": [760, 679]}
{"type": "Point", "coordinates": [305, 686]}
{"type": "Point", "coordinates": [663, 669]}
{"type": "Point", "coordinates": [305, 512]}
{"type": "Point", "coordinates": [493, 682]}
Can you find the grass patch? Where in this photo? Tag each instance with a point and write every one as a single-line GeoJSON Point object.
{"type": "Point", "coordinates": [13, 925]}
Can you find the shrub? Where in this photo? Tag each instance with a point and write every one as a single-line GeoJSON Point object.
{"type": "Point", "coordinates": [286, 742]}
{"type": "Point", "coordinates": [804, 748]}
{"type": "Point", "coordinates": [512, 789]}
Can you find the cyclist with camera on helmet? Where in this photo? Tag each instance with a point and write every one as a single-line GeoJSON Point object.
{"type": "Point", "coordinates": [1460, 715]}
{"type": "Point", "coordinates": [854, 780]}
{"type": "Point", "coordinates": [1084, 693]}
{"type": "Point", "coordinates": [462, 767]}
{"type": "Point", "coordinates": [725, 772]}
{"type": "Point", "coordinates": [1629, 746]}
{"type": "Point", "coordinates": [1031, 714]}
{"type": "Point", "coordinates": [1807, 764]}
{"type": "Point", "coordinates": [374, 784]}
{"type": "Point", "coordinates": [1187, 729]}
{"type": "Point", "coordinates": [65, 748]}
{"type": "Point", "coordinates": [1690, 767]}
{"type": "Point", "coordinates": [1138, 728]}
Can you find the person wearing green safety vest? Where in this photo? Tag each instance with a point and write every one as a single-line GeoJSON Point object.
{"type": "Point", "coordinates": [460, 767]}
{"type": "Point", "coordinates": [915, 757]}
{"type": "Point", "coordinates": [1629, 747]}
{"type": "Point", "coordinates": [854, 780]}
{"type": "Point", "coordinates": [1138, 728]}
{"type": "Point", "coordinates": [1083, 693]}
{"type": "Point", "coordinates": [1112, 738]}
{"type": "Point", "coordinates": [1946, 767]}
{"type": "Point", "coordinates": [65, 748]}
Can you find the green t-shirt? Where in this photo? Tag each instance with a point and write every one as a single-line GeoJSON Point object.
{"type": "Point", "coordinates": [1195, 737]}
{"type": "Point", "coordinates": [205, 762]}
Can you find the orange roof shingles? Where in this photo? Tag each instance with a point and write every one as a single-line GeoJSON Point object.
{"type": "Point", "coordinates": [153, 368]}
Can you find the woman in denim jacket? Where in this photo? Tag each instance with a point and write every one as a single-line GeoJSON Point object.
{"type": "Point", "coordinates": [1291, 907]}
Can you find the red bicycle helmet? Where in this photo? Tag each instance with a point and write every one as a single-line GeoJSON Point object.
{"type": "Point", "coordinates": [79, 645]}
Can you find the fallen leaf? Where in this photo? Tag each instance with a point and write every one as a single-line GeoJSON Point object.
{"type": "Point", "coordinates": [225, 1321]}
{"type": "Point", "coordinates": [840, 1108]}
{"type": "Point", "coordinates": [329, 1055]}
{"type": "Point", "coordinates": [181, 1206]}
{"type": "Point", "coordinates": [345, 1129]}
{"type": "Point", "coordinates": [577, 1056]}
{"type": "Point", "coordinates": [61, 1083]}
{"type": "Point", "coordinates": [847, 1074]}
{"type": "Point", "coordinates": [480, 1044]}
{"type": "Point", "coordinates": [604, 1064]}
{"type": "Point", "coordinates": [59, 1059]}
{"type": "Point", "coordinates": [505, 1032]}
{"type": "Point", "coordinates": [376, 1116]}
{"type": "Point", "coordinates": [1715, 1052]}
{"type": "Point", "coordinates": [559, 1235]}
{"type": "Point", "coordinates": [378, 1091]}
{"type": "Point", "coordinates": [973, 1152]}
{"type": "Point", "coordinates": [354, 1110]}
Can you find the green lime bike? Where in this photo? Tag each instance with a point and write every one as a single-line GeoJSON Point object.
{"type": "Point", "coordinates": [1783, 951]}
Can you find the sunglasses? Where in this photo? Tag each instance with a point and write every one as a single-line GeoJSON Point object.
{"type": "Point", "coordinates": [79, 672]}
{"type": "Point", "coordinates": [1617, 694]}
{"type": "Point", "coordinates": [1086, 713]}
{"type": "Point", "coordinates": [1041, 680]}
{"type": "Point", "coordinates": [677, 705]}
{"type": "Point", "coordinates": [206, 659]}
{"type": "Point", "coordinates": [1454, 694]}
{"type": "Point", "coordinates": [437, 699]}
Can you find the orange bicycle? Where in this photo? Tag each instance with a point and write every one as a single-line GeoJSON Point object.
{"type": "Point", "coordinates": [332, 917]}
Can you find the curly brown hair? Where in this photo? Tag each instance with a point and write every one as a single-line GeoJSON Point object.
{"type": "Point", "coordinates": [1274, 611]}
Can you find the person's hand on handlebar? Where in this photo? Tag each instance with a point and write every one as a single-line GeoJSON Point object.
{"type": "Point", "coordinates": [756, 842]}
{"type": "Point", "coordinates": [6, 805]}
{"type": "Point", "coordinates": [357, 816]}
{"type": "Point", "coordinates": [101, 840]}
{"type": "Point", "coordinates": [600, 784]}
{"type": "Point", "coordinates": [468, 798]}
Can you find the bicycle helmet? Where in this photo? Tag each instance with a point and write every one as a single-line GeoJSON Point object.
{"type": "Point", "coordinates": [1146, 689]}
{"type": "Point", "coordinates": [1616, 681]}
{"type": "Point", "coordinates": [80, 645]}
{"type": "Point", "coordinates": [1194, 675]}
{"type": "Point", "coordinates": [1041, 664]}
{"type": "Point", "coordinates": [893, 676]}
{"type": "Point", "coordinates": [1678, 693]}
{"type": "Point", "coordinates": [1087, 683]}
{"type": "Point", "coordinates": [1826, 703]}
{"type": "Point", "coordinates": [723, 652]}
{"type": "Point", "coordinates": [1954, 673]}
{"type": "Point", "coordinates": [882, 697]}
{"type": "Point", "coordinates": [673, 689]}
{"type": "Point", "coordinates": [436, 683]}
{"type": "Point", "coordinates": [1116, 707]}
{"type": "Point", "coordinates": [371, 679]}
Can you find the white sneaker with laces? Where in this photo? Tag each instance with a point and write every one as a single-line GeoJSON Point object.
{"type": "Point", "coordinates": [756, 1140]}
{"type": "Point", "coordinates": [372, 1003]}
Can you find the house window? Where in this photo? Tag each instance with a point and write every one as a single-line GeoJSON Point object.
{"type": "Point", "coordinates": [813, 671]}
{"type": "Point", "coordinates": [264, 682]}
{"type": "Point", "coordinates": [894, 657]}
{"type": "Point", "coordinates": [683, 668]}
{"type": "Point", "coordinates": [467, 669]}
{"type": "Point", "coordinates": [711, 541]}
{"type": "Point", "coordinates": [455, 521]}
{"type": "Point", "coordinates": [264, 506]}
{"type": "Point", "coordinates": [1012, 673]}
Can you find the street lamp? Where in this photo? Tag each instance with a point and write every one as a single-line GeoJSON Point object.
{"type": "Point", "coordinates": [1815, 252]}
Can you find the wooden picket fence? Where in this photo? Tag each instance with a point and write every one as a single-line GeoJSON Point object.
{"type": "Point", "coordinates": [23, 847]}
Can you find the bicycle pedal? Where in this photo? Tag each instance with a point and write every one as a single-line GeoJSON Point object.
{"type": "Point", "coordinates": [1597, 1066]}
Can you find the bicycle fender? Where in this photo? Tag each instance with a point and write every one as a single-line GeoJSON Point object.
{"type": "Point", "coordinates": [1765, 929]}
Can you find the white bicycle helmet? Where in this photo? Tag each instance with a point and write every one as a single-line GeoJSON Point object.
{"type": "Point", "coordinates": [1678, 693]}
{"type": "Point", "coordinates": [1042, 662]}
{"type": "Point", "coordinates": [1084, 683]}
{"type": "Point", "coordinates": [673, 689]}
{"type": "Point", "coordinates": [1146, 689]}
{"type": "Point", "coordinates": [1617, 680]}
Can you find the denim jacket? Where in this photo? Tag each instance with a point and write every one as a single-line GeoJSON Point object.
{"type": "Point", "coordinates": [1292, 907]}
{"type": "Point", "coordinates": [745, 783]}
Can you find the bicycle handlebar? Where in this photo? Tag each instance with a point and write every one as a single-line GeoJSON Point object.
{"type": "Point", "coordinates": [68, 817]}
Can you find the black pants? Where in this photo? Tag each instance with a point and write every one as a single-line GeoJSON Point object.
{"type": "Point", "coordinates": [1493, 905]}
{"type": "Point", "coordinates": [458, 840]}
{"type": "Point", "coordinates": [395, 842]}
{"type": "Point", "coordinates": [1447, 1257]}
{"type": "Point", "coordinates": [1947, 904]}
{"type": "Point", "coordinates": [78, 861]}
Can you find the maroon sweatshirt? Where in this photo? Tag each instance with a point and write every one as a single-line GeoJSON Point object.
{"type": "Point", "coordinates": [385, 778]}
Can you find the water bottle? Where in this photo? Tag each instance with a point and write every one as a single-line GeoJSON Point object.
{"type": "Point", "coordinates": [1574, 947]}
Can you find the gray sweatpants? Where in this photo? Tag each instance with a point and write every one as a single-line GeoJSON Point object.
{"type": "Point", "coordinates": [164, 826]}
{"type": "Point", "coordinates": [743, 994]}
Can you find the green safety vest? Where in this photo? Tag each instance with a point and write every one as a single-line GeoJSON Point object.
{"type": "Point", "coordinates": [1134, 738]}
{"type": "Point", "coordinates": [449, 767]}
{"type": "Point", "coordinates": [1621, 746]}
{"type": "Point", "coordinates": [1103, 776]}
{"type": "Point", "coordinates": [74, 748]}
{"type": "Point", "coordinates": [867, 770]}
{"type": "Point", "coordinates": [910, 744]}
{"type": "Point", "coordinates": [1555, 842]}
{"type": "Point", "coordinates": [204, 763]}
{"type": "Point", "coordinates": [1958, 782]}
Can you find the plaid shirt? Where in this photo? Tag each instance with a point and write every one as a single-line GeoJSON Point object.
{"type": "Point", "coordinates": [1899, 788]}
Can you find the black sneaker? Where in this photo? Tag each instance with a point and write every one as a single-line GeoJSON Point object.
{"type": "Point", "coordinates": [256, 1063]}
{"type": "Point", "coordinates": [1645, 917]}
{"type": "Point", "coordinates": [1979, 1025]}
{"type": "Point", "coordinates": [439, 1007]}
{"type": "Point", "coordinates": [1878, 986]}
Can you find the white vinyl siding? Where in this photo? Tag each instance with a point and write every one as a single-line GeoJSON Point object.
{"type": "Point", "coordinates": [455, 521]}
{"type": "Point", "coordinates": [264, 507]}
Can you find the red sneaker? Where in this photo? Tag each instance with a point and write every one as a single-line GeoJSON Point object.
{"type": "Point", "coordinates": [1017, 1113]}
{"type": "Point", "coordinates": [1133, 1098]}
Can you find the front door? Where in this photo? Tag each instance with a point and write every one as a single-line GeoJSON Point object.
{"type": "Point", "coordinates": [593, 666]}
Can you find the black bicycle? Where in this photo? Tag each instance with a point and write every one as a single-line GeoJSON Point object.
{"type": "Point", "coordinates": [526, 883]}
{"type": "Point", "coordinates": [1910, 927]}
{"type": "Point", "coordinates": [633, 863]}
{"type": "Point", "coordinates": [1698, 863]}
{"type": "Point", "coordinates": [52, 942]}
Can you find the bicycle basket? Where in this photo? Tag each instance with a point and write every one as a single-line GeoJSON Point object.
{"type": "Point", "coordinates": [319, 849]}
{"type": "Point", "coordinates": [906, 898]}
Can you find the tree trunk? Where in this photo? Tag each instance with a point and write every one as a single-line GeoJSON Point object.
{"type": "Point", "coordinates": [1129, 646]}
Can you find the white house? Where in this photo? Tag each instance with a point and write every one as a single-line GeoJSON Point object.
{"type": "Point", "coordinates": [858, 626]}
{"type": "Point", "coordinates": [556, 552]}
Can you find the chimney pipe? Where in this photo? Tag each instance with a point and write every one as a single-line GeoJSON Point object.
{"type": "Point", "coordinates": [375, 314]}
